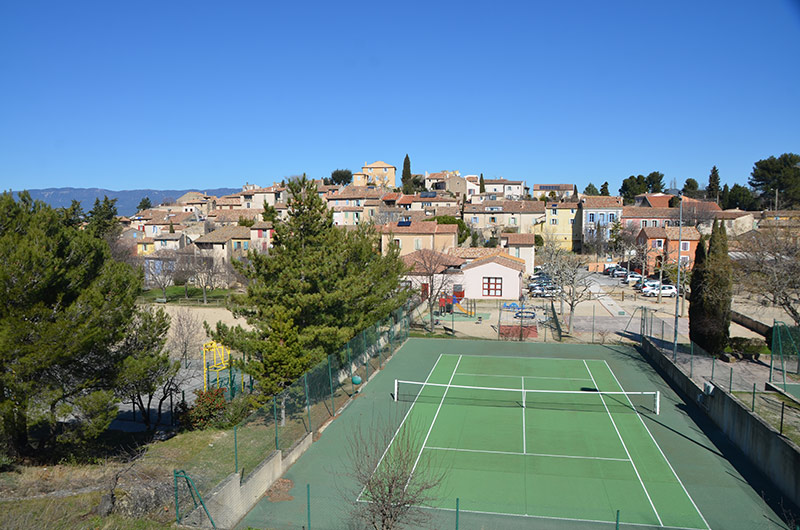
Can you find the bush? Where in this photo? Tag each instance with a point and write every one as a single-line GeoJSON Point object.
{"type": "Point", "coordinates": [208, 409]}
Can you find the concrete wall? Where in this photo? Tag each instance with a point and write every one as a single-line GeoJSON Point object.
{"type": "Point", "coordinates": [751, 324]}
{"type": "Point", "coordinates": [777, 457]}
{"type": "Point", "coordinates": [232, 498]}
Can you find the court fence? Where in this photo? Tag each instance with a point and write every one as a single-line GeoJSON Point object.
{"type": "Point", "coordinates": [759, 381]}
{"type": "Point", "coordinates": [289, 419]}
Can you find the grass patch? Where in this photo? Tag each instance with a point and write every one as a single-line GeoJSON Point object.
{"type": "Point", "coordinates": [69, 513]}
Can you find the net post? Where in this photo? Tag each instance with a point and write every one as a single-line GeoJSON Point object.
{"type": "Point", "coordinates": [658, 402]}
{"type": "Point", "coordinates": [395, 390]}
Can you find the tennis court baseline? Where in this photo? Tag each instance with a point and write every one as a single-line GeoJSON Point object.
{"type": "Point", "coordinates": [543, 437]}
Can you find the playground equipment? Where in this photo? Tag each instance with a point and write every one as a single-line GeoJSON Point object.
{"type": "Point", "coordinates": [220, 357]}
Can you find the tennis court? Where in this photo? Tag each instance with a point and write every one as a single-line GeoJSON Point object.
{"type": "Point", "coordinates": [542, 437]}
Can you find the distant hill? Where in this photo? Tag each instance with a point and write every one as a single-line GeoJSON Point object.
{"type": "Point", "coordinates": [127, 200]}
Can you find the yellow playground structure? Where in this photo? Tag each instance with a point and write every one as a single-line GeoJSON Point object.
{"type": "Point", "coordinates": [216, 358]}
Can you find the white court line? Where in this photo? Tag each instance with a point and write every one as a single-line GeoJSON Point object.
{"type": "Point", "coordinates": [524, 442]}
{"type": "Point", "coordinates": [512, 453]}
{"type": "Point", "coordinates": [444, 395]}
{"type": "Point", "coordinates": [624, 446]}
{"type": "Point", "coordinates": [529, 377]}
{"type": "Point", "coordinates": [660, 451]}
{"type": "Point", "coordinates": [399, 427]}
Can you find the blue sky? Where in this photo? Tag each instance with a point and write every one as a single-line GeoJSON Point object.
{"type": "Point", "coordinates": [126, 95]}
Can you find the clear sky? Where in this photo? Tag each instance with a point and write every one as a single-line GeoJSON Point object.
{"type": "Point", "coordinates": [192, 94]}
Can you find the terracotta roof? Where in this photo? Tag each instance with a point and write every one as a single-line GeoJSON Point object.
{"type": "Point", "coordinates": [689, 233]}
{"type": "Point", "coordinates": [709, 206]}
{"type": "Point", "coordinates": [655, 200]}
{"type": "Point", "coordinates": [164, 218]}
{"type": "Point", "coordinates": [228, 216]}
{"type": "Point", "coordinates": [222, 201]}
{"type": "Point", "coordinates": [599, 201]}
{"type": "Point", "coordinates": [379, 163]}
{"type": "Point", "coordinates": [405, 199]}
{"type": "Point", "coordinates": [507, 207]}
{"type": "Point", "coordinates": [472, 178]}
{"type": "Point", "coordinates": [519, 239]}
{"type": "Point", "coordinates": [419, 227]}
{"type": "Point", "coordinates": [654, 232]}
{"type": "Point", "coordinates": [393, 196]}
{"type": "Point", "coordinates": [348, 208]}
{"type": "Point", "coordinates": [453, 211]}
{"type": "Point", "coordinates": [731, 214]}
{"type": "Point", "coordinates": [261, 225]}
{"type": "Point", "coordinates": [502, 181]}
{"type": "Point", "coordinates": [145, 240]}
{"type": "Point", "coordinates": [357, 192]}
{"type": "Point", "coordinates": [422, 261]}
{"type": "Point", "coordinates": [501, 259]}
{"type": "Point", "coordinates": [643, 212]}
{"type": "Point", "coordinates": [225, 234]}
{"type": "Point", "coordinates": [476, 252]}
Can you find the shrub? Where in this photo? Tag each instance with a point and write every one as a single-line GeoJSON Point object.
{"type": "Point", "coordinates": [208, 409]}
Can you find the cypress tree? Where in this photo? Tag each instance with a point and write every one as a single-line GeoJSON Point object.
{"type": "Point", "coordinates": [407, 180]}
{"type": "Point", "coordinates": [712, 190]}
{"type": "Point", "coordinates": [696, 285]}
{"type": "Point", "coordinates": [719, 288]}
{"type": "Point", "coordinates": [482, 185]}
{"type": "Point", "coordinates": [604, 190]}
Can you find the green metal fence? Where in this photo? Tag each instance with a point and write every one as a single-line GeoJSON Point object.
{"type": "Point", "coordinates": [303, 407]}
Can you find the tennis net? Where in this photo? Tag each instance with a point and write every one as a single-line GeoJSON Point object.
{"type": "Point", "coordinates": [585, 399]}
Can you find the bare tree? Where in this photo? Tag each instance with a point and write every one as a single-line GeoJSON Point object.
{"type": "Point", "coordinates": [434, 270]}
{"type": "Point", "coordinates": [395, 477]}
{"type": "Point", "coordinates": [569, 272]}
{"type": "Point", "coordinates": [209, 273]}
{"type": "Point", "coordinates": [697, 212]}
{"type": "Point", "coordinates": [768, 267]}
{"type": "Point", "coordinates": [186, 333]}
{"type": "Point", "coordinates": [159, 270]}
{"type": "Point", "coordinates": [623, 241]}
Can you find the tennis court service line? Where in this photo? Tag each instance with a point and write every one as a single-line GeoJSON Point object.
{"type": "Point", "coordinates": [433, 422]}
{"type": "Point", "coordinates": [512, 453]}
{"type": "Point", "coordinates": [660, 451]}
{"type": "Point", "coordinates": [399, 426]}
{"type": "Point", "coordinates": [529, 377]}
{"type": "Point", "coordinates": [633, 464]}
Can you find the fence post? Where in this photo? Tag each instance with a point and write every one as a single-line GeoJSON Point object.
{"type": "Point", "coordinates": [308, 401]}
{"type": "Point", "coordinates": [308, 504]}
{"type": "Point", "coordinates": [330, 378]}
{"type": "Point", "coordinates": [783, 407]}
{"type": "Point", "coordinates": [662, 331]}
{"type": "Point", "coordinates": [592, 324]}
{"type": "Point", "coordinates": [275, 418]}
{"type": "Point", "coordinates": [235, 450]}
{"type": "Point", "coordinates": [177, 506]}
{"type": "Point", "coordinates": [730, 384]}
{"type": "Point", "coordinates": [617, 519]}
{"type": "Point", "coordinates": [691, 364]}
{"type": "Point", "coordinates": [753, 406]}
{"type": "Point", "coordinates": [456, 513]}
{"type": "Point", "coordinates": [713, 364]}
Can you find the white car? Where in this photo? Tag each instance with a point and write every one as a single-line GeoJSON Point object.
{"type": "Point", "coordinates": [631, 278]}
{"type": "Point", "coordinates": [666, 290]}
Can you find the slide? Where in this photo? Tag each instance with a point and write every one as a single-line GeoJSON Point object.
{"type": "Point", "coordinates": [458, 306]}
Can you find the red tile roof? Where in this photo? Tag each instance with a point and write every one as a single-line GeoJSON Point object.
{"type": "Point", "coordinates": [430, 261]}
{"type": "Point", "coordinates": [519, 239]}
{"type": "Point", "coordinates": [599, 201]}
{"type": "Point", "coordinates": [419, 227]}
{"type": "Point", "coordinates": [501, 259]}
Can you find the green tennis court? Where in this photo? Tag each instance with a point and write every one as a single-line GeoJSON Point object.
{"type": "Point", "coordinates": [541, 437]}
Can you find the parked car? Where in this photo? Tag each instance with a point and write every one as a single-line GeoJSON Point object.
{"type": "Point", "coordinates": [666, 290]}
{"type": "Point", "coordinates": [620, 273]}
{"type": "Point", "coordinates": [609, 268]}
{"type": "Point", "coordinates": [640, 286]}
{"type": "Point", "coordinates": [631, 278]}
{"type": "Point", "coordinates": [547, 290]}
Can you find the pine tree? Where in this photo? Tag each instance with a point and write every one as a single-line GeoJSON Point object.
{"type": "Point", "coordinates": [655, 182]}
{"type": "Point", "coordinates": [591, 190]}
{"type": "Point", "coordinates": [604, 189]}
{"type": "Point", "coordinates": [725, 198]}
{"type": "Point", "coordinates": [482, 184]}
{"type": "Point", "coordinates": [316, 289]}
{"type": "Point", "coordinates": [144, 204]}
{"type": "Point", "coordinates": [712, 190]}
{"type": "Point", "coordinates": [64, 305]}
{"type": "Point", "coordinates": [407, 179]}
{"type": "Point", "coordinates": [102, 218]}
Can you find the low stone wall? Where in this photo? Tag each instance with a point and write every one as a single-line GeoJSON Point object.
{"type": "Point", "coordinates": [751, 324]}
{"type": "Point", "coordinates": [777, 457]}
{"type": "Point", "coordinates": [232, 498]}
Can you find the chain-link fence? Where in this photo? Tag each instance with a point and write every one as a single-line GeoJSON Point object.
{"type": "Point", "coordinates": [754, 378]}
{"type": "Point", "coordinates": [303, 407]}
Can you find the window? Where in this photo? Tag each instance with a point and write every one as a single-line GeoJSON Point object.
{"type": "Point", "coordinates": [612, 217]}
{"type": "Point", "coordinates": [493, 219]}
{"type": "Point", "coordinates": [555, 211]}
{"type": "Point", "coordinates": [397, 243]}
{"type": "Point", "coordinates": [236, 245]}
{"type": "Point", "coordinates": [644, 223]}
{"type": "Point", "coordinates": [655, 222]}
{"type": "Point", "coordinates": [513, 221]}
{"type": "Point", "coordinates": [417, 243]}
{"type": "Point", "coordinates": [591, 217]}
{"type": "Point", "coordinates": [163, 243]}
{"type": "Point", "coordinates": [602, 218]}
{"type": "Point", "coordinates": [492, 286]}
{"type": "Point", "coordinates": [553, 221]}
{"type": "Point", "coordinates": [572, 221]}
{"type": "Point", "coordinates": [246, 244]}
{"type": "Point", "coordinates": [684, 246]}
{"type": "Point", "coordinates": [685, 261]}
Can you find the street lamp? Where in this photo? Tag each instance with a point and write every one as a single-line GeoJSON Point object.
{"type": "Point", "coordinates": [678, 297]}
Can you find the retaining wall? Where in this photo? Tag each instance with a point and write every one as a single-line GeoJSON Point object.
{"type": "Point", "coordinates": [777, 457]}
{"type": "Point", "coordinates": [751, 324]}
{"type": "Point", "coordinates": [232, 498]}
